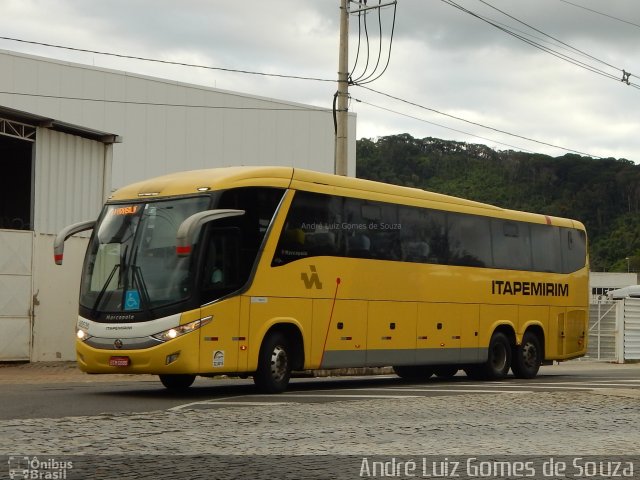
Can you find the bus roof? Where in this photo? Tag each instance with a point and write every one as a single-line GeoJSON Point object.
{"type": "Point", "coordinates": [199, 181]}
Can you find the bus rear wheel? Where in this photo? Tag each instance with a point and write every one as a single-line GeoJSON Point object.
{"type": "Point", "coordinates": [177, 382]}
{"type": "Point", "coordinates": [527, 357]}
{"type": "Point", "coordinates": [498, 362]}
{"type": "Point", "coordinates": [274, 365]}
{"type": "Point", "coordinates": [413, 372]}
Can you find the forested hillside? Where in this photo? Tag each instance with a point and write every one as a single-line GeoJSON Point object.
{"type": "Point", "coordinates": [604, 194]}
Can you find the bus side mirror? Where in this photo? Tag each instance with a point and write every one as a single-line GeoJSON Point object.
{"type": "Point", "coordinates": [58, 244]}
{"type": "Point", "coordinates": [191, 226]}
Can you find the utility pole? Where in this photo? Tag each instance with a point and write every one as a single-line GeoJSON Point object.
{"type": "Point", "coordinates": [341, 102]}
{"type": "Point", "coordinates": [342, 118]}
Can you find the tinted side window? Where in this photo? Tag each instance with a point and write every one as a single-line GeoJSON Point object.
{"type": "Point", "coordinates": [574, 247]}
{"type": "Point", "coordinates": [324, 225]}
{"type": "Point", "coordinates": [469, 240]}
{"type": "Point", "coordinates": [423, 236]}
{"type": "Point", "coordinates": [222, 270]}
{"type": "Point", "coordinates": [546, 248]}
{"type": "Point", "coordinates": [511, 244]}
{"type": "Point", "coordinates": [371, 229]}
{"type": "Point", "coordinates": [259, 205]}
{"type": "Point", "coordinates": [313, 228]}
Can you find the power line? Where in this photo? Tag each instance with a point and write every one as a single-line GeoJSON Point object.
{"type": "Point", "coordinates": [522, 137]}
{"type": "Point", "coordinates": [555, 53]}
{"type": "Point", "coordinates": [318, 110]}
{"type": "Point", "coordinates": [297, 77]}
{"type": "Point", "coordinates": [547, 35]}
{"type": "Point", "coordinates": [372, 77]}
{"type": "Point", "coordinates": [601, 13]}
{"type": "Point", "coordinates": [366, 35]}
{"type": "Point", "coordinates": [355, 64]}
{"type": "Point", "coordinates": [167, 62]}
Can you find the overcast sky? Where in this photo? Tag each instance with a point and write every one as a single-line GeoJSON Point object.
{"type": "Point", "coordinates": [441, 58]}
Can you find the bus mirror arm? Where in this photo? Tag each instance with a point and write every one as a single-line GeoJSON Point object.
{"type": "Point", "coordinates": [58, 244]}
{"type": "Point", "coordinates": [191, 226]}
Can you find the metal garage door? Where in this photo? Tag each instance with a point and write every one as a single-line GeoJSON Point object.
{"type": "Point", "coordinates": [16, 256]}
{"type": "Point", "coordinates": [632, 329]}
{"type": "Point", "coordinates": [602, 331]}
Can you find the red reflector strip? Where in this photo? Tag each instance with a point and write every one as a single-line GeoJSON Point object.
{"type": "Point", "coordinates": [57, 258]}
{"type": "Point", "coordinates": [183, 250]}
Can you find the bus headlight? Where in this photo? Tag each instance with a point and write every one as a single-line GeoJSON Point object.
{"type": "Point", "coordinates": [82, 335]}
{"type": "Point", "coordinates": [182, 329]}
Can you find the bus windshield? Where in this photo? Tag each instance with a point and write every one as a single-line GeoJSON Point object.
{"type": "Point", "coordinates": [131, 262]}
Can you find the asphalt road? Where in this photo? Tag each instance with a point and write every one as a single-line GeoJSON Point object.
{"type": "Point", "coordinates": [118, 427]}
{"type": "Point", "coordinates": [85, 398]}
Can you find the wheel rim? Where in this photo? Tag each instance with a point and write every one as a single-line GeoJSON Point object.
{"type": "Point", "coordinates": [529, 355]}
{"type": "Point", "coordinates": [279, 364]}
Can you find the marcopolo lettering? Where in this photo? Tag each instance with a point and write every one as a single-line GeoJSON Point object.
{"type": "Point", "coordinates": [539, 289]}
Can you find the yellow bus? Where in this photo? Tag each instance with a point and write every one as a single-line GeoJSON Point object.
{"type": "Point", "coordinates": [267, 270]}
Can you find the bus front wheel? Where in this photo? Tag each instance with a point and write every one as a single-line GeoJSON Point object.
{"type": "Point", "coordinates": [177, 382]}
{"type": "Point", "coordinates": [527, 357]}
{"type": "Point", "coordinates": [274, 365]}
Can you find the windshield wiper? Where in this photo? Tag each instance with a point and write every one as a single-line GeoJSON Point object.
{"type": "Point", "coordinates": [144, 293]}
{"type": "Point", "coordinates": [136, 278]}
{"type": "Point", "coordinates": [104, 288]}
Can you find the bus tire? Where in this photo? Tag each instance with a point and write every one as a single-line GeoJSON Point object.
{"type": "Point", "coordinates": [413, 372]}
{"type": "Point", "coordinates": [499, 361]}
{"type": "Point", "coordinates": [445, 371]}
{"type": "Point", "coordinates": [527, 357]}
{"type": "Point", "coordinates": [177, 382]}
{"type": "Point", "coordinates": [274, 364]}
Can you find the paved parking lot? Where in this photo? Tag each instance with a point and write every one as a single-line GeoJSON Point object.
{"type": "Point", "coordinates": [487, 419]}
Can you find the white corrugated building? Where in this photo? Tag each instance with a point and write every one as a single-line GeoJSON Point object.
{"type": "Point", "coordinates": [70, 134]}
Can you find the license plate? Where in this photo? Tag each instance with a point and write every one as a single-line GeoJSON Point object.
{"type": "Point", "coordinates": [119, 361]}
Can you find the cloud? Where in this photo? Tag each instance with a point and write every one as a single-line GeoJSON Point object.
{"type": "Point", "coordinates": [442, 58]}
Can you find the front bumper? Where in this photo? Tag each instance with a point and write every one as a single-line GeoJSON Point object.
{"type": "Point", "coordinates": [153, 360]}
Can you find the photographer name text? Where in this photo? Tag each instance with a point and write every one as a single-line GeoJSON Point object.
{"type": "Point", "coordinates": [474, 467]}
